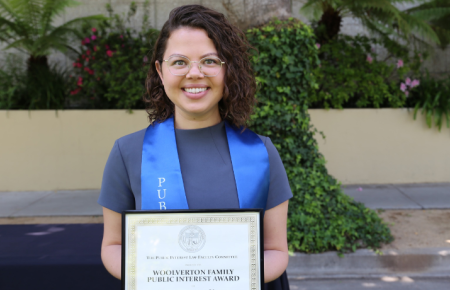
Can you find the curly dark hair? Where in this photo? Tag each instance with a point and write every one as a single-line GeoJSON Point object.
{"type": "Point", "coordinates": [232, 46]}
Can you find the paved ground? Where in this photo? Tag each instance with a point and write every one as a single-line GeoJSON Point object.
{"type": "Point", "coordinates": [384, 283]}
{"type": "Point", "coordinates": [407, 196]}
{"type": "Point", "coordinates": [50, 203]}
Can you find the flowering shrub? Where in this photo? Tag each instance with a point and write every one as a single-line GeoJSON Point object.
{"type": "Point", "coordinates": [113, 63]}
{"type": "Point", "coordinates": [432, 98]}
{"type": "Point", "coordinates": [351, 76]}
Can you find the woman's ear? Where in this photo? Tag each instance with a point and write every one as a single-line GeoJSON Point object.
{"type": "Point", "coordinates": [158, 69]}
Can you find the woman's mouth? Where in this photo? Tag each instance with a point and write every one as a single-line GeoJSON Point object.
{"type": "Point", "coordinates": [195, 93]}
{"type": "Point", "coordinates": [195, 90]}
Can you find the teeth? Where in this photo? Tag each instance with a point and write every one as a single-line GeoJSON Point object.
{"type": "Point", "coordinates": [195, 90]}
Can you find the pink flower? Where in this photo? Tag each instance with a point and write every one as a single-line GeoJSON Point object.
{"type": "Point", "coordinates": [318, 45]}
{"type": "Point", "coordinates": [106, 46]}
{"type": "Point", "coordinates": [145, 59]}
{"type": "Point", "coordinates": [95, 48]}
{"type": "Point", "coordinates": [93, 37]}
{"type": "Point", "coordinates": [121, 36]}
{"type": "Point", "coordinates": [82, 42]}
{"type": "Point", "coordinates": [399, 63]}
{"type": "Point", "coordinates": [93, 29]}
{"type": "Point", "coordinates": [369, 58]}
{"type": "Point", "coordinates": [109, 53]}
{"type": "Point", "coordinates": [86, 40]}
{"type": "Point", "coordinates": [76, 91]}
{"type": "Point", "coordinates": [406, 93]}
{"type": "Point", "coordinates": [408, 81]}
{"type": "Point", "coordinates": [360, 189]}
{"type": "Point", "coordinates": [91, 72]}
{"type": "Point", "coordinates": [402, 87]}
{"type": "Point", "coordinates": [415, 83]}
{"type": "Point", "coordinates": [80, 81]}
{"type": "Point", "coordinates": [88, 52]}
{"type": "Point", "coordinates": [86, 69]}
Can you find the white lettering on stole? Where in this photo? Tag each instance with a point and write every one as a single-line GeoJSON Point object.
{"type": "Point", "coordinates": [159, 193]}
{"type": "Point", "coordinates": [162, 204]}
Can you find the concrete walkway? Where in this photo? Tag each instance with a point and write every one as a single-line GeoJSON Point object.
{"type": "Point", "coordinates": [50, 203]}
{"type": "Point", "coordinates": [84, 202]}
{"type": "Point", "coordinates": [402, 196]}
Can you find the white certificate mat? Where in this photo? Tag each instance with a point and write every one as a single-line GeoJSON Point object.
{"type": "Point", "coordinates": [198, 250]}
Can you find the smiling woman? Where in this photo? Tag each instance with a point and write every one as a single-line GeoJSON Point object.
{"type": "Point", "coordinates": [195, 88]}
{"type": "Point", "coordinates": [197, 152]}
{"type": "Point", "coordinates": [209, 37]}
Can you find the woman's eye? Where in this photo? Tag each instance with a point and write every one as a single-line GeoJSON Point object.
{"type": "Point", "coordinates": [211, 61]}
{"type": "Point", "coordinates": [179, 62]}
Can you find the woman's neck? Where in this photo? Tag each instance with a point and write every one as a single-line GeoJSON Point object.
{"type": "Point", "coordinates": [193, 122]}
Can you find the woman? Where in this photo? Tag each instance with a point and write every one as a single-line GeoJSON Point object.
{"type": "Point", "coordinates": [200, 92]}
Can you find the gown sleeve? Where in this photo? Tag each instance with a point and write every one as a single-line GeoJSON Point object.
{"type": "Point", "coordinates": [279, 189]}
{"type": "Point", "coordinates": [116, 193]}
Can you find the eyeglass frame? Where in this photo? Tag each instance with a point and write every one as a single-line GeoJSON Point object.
{"type": "Point", "coordinates": [199, 66]}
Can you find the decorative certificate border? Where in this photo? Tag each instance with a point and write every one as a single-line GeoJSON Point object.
{"type": "Point", "coordinates": [133, 219]}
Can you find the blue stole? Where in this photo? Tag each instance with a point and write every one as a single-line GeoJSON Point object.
{"type": "Point", "coordinates": [161, 180]}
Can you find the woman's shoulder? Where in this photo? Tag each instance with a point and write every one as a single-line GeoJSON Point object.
{"type": "Point", "coordinates": [132, 139]}
{"type": "Point", "coordinates": [274, 156]}
{"type": "Point", "coordinates": [263, 138]}
{"type": "Point", "coordinates": [268, 143]}
{"type": "Point", "coordinates": [129, 144]}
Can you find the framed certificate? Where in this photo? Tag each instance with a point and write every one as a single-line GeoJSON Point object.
{"type": "Point", "coordinates": [193, 249]}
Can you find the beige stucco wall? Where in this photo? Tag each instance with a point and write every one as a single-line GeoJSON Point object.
{"type": "Point", "coordinates": [40, 150]}
{"type": "Point", "coordinates": [372, 146]}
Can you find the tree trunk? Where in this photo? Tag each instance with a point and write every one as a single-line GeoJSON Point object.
{"type": "Point", "coordinates": [250, 13]}
{"type": "Point", "coordinates": [35, 64]}
{"type": "Point", "coordinates": [331, 22]}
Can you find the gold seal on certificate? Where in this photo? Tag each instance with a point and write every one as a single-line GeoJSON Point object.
{"type": "Point", "coordinates": [192, 249]}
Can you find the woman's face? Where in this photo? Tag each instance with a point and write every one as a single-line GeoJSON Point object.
{"type": "Point", "coordinates": [195, 96]}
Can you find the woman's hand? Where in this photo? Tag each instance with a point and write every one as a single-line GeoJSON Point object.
{"type": "Point", "coordinates": [276, 256]}
{"type": "Point", "coordinates": [112, 242]}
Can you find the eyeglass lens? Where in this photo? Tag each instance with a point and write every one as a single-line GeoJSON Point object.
{"type": "Point", "coordinates": [209, 66]}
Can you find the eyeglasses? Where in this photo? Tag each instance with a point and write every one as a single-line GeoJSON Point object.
{"type": "Point", "coordinates": [209, 66]}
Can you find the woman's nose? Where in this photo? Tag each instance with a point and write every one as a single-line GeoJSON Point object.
{"type": "Point", "coordinates": [195, 72]}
